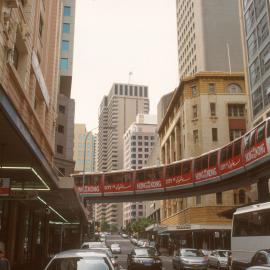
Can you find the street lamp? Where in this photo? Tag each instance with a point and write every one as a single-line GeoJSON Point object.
{"type": "Point", "coordinates": [84, 153]}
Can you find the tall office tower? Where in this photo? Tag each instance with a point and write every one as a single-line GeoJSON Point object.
{"type": "Point", "coordinates": [80, 134]}
{"type": "Point", "coordinates": [117, 112]}
{"type": "Point", "coordinates": [256, 42]}
{"type": "Point", "coordinates": [139, 141]}
{"type": "Point", "coordinates": [66, 106]}
{"type": "Point", "coordinates": [208, 36]}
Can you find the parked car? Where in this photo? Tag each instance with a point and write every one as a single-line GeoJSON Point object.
{"type": "Point", "coordinates": [206, 252]}
{"type": "Point", "coordinates": [115, 248]}
{"type": "Point", "coordinates": [259, 267]}
{"type": "Point", "coordinates": [88, 245]}
{"type": "Point", "coordinates": [219, 258]}
{"type": "Point", "coordinates": [133, 240]}
{"type": "Point", "coordinates": [80, 260]}
{"type": "Point", "coordinates": [261, 257]}
{"type": "Point", "coordinates": [188, 258]}
{"type": "Point", "coordinates": [109, 254]}
{"type": "Point", "coordinates": [143, 258]}
{"type": "Point", "coordinates": [124, 235]}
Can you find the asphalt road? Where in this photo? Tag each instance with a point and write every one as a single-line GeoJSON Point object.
{"type": "Point", "coordinates": [126, 248]}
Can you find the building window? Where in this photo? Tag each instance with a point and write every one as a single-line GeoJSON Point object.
{"type": "Point", "coordinates": [64, 64]}
{"type": "Point", "coordinates": [266, 91]}
{"type": "Point", "coordinates": [62, 109]}
{"type": "Point", "coordinates": [16, 57]}
{"type": "Point", "coordinates": [234, 88]}
{"type": "Point", "coordinates": [265, 59]}
{"type": "Point", "coordinates": [66, 27]}
{"type": "Point", "coordinates": [219, 197]}
{"type": "Point", "coordinates": [252, 45]}
{"type": "Point", "coordinates": [194, 90]}
{"type": "Point", "coordinates": [249, 18]}
{"type": "Point", "coordinates": [257, 101]}
{"type": "Point", "coordinates": [67, 11]}
{"type": "Point", "coordinates": [242, 196]}
{"type": "Point", "coordinates": [254, 72]}
{"type": "Point", "coordinates": [236, 110]}
{"type": "Point", "coordinates": [60, 128]}
{"type": "Point", "coordinates": [263, 29]}
{"type": "Point", "coordinates": [60, 149]}
{"type": "Point", "coordinates": [195, 136]}
{"type": "Point", "coordinates": [213, 109]}
{"type": "Point", "coordinates": [140, 91]}
{"type": "Point", "coordinates": [194, 111]}
{"type": "Point", "coordinates": [198, 199]}
{"type": "Point", "coordinates": [41, 24]}
{"type": "Point", "coordinates": [145, 92]}
{"type": "Point", "coordinates": [211, 88]}
{"type": "Point", "coordinates": [259, 6]}
{"type": "Point", "coordinates": [214, 134]}
{"type": "Point", "coordinates": [121, 89]}
{"type": "Point", "coordinates": [65, 45]}
{"type": "Point", "coordinates": [236, 133]}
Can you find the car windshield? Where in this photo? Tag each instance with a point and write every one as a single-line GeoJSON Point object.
{"type": "Point", "coordinates": [192, 253]}
{"type": "Point", "coordinates": [223, 253]}
{"type": "Point", "coordinates": [144, 252]}
{"type": "Point", "coordinates": [79, 264]}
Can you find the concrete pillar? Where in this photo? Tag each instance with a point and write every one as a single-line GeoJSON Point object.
{"type": "Point", "coordinates": [166, 153]}
{"type": "Point", "coordinates": [263, 190]}
{"type": "Point", "coordinates": [177, 142]}
{"type": "Point", "coordinates": [171, 149]}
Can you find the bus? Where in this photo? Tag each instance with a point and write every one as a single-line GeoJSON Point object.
{"type": "Point", "coordinates": [250, 233]}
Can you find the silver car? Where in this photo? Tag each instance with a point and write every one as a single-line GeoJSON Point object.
{"type": "Point", "coordinates": [189, 258]}
{"type": "Point", "coordinates": [219, 258]}
{"type": "Point", "coordinates": [80, 260]}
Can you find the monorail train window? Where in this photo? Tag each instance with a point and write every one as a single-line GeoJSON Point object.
{"type": "Point", "coordinates": [237, 148]}
{"type": "Point", "coordinates": [252, 138]}
{"type": "Point", "coordinates": [78, 181]}
{"type": "Point", "coordinates": [158, 173]}
{"type": "Point", "coordinates": [96, 179]}
{"type": "Point", "coordinates": [128, 177]}
{"type": "Point", "coordinates": [148, 174]}
{"type": "Point", "coordinates": [229, 151]}
{"type": "Point", "coordinates": [186, 167]}
{"type": "Point", "coordinates": [205, 162]}
{"type": "Point", "coordinates": [170, 171]}
{"type": "Point", "coordinates": [261, 133]}
{"type": "Point", "coordinates": [198, 165]}
{"type": "Point", "coordinates": [223, 155]}
{"type": "Point", "coordinates": [87, 180]}
{"type": "Point", "coordinates": [140, 176]}
{"type": "Point", "coordinates": [246, 140]}
{"type": "Point", "coordinates": [213, 159]}
{"type": "Point", "coordinates": [177, 169]}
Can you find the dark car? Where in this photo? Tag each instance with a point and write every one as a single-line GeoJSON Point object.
{"type": "Point", "coordinates": [144, 258]}
{"type": "Point", "coordinates": [189, 258]}
{"type": "Point", "coordinates": [261, 257]}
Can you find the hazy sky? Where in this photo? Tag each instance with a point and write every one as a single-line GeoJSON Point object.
{"type": "Point", "coordinates": [114, 37]}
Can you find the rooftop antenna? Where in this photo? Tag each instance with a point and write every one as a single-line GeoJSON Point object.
{"type": "Point", "coordinates": [229, 57]}
{"type": "Point", "coordinates": [129, 76]}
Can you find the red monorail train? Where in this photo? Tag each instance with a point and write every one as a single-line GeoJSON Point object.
{"type": "Point", "coordinates": [244, 153]}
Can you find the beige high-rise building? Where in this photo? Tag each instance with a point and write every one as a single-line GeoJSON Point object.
{"type": "Point", "coordinates": [208, 34]}
{"type": "Point", "coordinates": [64, 140]}
{"type": "Point", "coordinates": [207, 111]}
{"type": "Point", "coordinates": [80, 134]}
{"type": "Point", "coordinates": [117, 112]}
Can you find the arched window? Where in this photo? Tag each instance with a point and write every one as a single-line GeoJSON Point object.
{"type": "Point", "coordinates": [242, 196]}
{"type": "Point", "coordinates": [234, 88]}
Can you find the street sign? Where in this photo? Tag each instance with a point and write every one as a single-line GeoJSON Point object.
{"type": "Point", "coordinates": [4, 186]}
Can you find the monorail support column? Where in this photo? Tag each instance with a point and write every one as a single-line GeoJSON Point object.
{"type": "Point", "coordinates": [263, 190]}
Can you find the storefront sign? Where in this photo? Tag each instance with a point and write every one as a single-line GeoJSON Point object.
{"type": "Point", "coordinates": [4, 186]}
{"type": "Point", "coordinates": [183, 227]}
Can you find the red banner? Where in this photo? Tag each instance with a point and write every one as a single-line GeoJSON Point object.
{"type": "Point", "coordinates": [255, 152]}
{"type": "Point", "coordinates": [88, 189]}
{"type": "Point", "coordinates": [178, 180]}
{"type": "Point", "coordinates": [230, 165]}
{"type": "Point", "coordinates": [118, 187]}
{"type": "Point", "coordinates": [206, 174]}
{"type": "Point", "coordinates": [150, 184]}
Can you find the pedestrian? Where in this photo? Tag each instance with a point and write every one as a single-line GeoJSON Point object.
{"type": "Point", "coordinates": [4, 263]}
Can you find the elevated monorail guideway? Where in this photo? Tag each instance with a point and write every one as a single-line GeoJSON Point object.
{"type": "Point", "coordinates": [241, 162]}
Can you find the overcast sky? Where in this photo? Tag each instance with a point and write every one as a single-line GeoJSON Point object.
{"type": "Point", "coordinates": [114, 37]}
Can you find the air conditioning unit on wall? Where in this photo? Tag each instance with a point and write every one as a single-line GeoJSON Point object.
{"type": "Point", "coordinates": [12, 3]}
